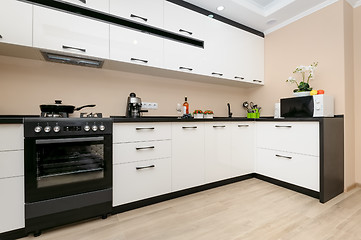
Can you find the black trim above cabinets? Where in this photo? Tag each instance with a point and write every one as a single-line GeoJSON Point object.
{"type": "Point", "coordinates": [115, 20]}
{"type": "Point", "coordinates": [216, 16]}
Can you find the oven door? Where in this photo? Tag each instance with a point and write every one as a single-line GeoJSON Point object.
{"type": "Point", "coordinates": [58, 167]}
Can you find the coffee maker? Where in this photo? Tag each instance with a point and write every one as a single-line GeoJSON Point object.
{"type": "Point", "coordinates": [134, 105]}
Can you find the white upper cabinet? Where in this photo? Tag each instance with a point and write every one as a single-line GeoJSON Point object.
{"type": "Point", "coordinates": [136, 47]}
{"type": "Point", "coordinates": [100, 5]}
{"type": "Point", "coordinates": [68, 33]}
{"type": "Point", "coordinates": [16, 22]}
{"type": "Point", "coordinates": [141, 11]}
{"type": "Point", "coordinates": [179, 56]}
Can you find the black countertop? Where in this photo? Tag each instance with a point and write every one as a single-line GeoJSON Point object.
{"type": "Point", "coordinates": [16, 119]}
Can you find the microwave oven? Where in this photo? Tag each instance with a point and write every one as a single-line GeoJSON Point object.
{"type": "Point", "coordinates": [309, 106]}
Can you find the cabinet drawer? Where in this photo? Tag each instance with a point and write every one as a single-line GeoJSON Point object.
{"type": "Point", "coordinates": [11, 164]}
{"type": "Point", "coordinates": [68, 33]}
{"type": "Point", "coordinates": [100, 5]}
{"type": "Point", "coordinates": [130, 184]}
{"type": "Point", "coordinates": [139, 151]}
{"type": "Point", "coordinates": [301, 170]}
{"type": "Point", "coordinates": [293, 137]}
{"type": "Point", "coordinates": [132, 132]}
{"type": "Point", "coordinates": [144, 12]}
{"type": "Point", "coordinates": [11, 137]}
{"type": "Point", "coordinates": [16, 22]}
{"type": "Point", "coordinates": [12, 204]}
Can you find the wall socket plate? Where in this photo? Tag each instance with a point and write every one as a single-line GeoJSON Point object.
{"type": "Point", "coordinates": [149, 105]}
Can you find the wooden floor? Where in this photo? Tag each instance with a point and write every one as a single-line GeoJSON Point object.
{"type": "Point", "coordinates": [247, 210]}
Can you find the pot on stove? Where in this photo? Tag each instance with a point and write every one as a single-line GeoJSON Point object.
{"type": "Point", "coordinates": [58, 107]}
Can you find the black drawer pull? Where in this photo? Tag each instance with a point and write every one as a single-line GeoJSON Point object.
{"type": "Point", "coordinates": [74, 48]}
{"type": "Point", "coordinates": [1, 36]}
{"type": "Point", "coordinates": [256, 80]}
{"type": "Point", "coordinates": [83, 1]}
{"type": "Point", "coordinates": [139, 60]}
{"type": "Point", "coordinates": [142, 18]}
{"type": "Point", "coordinates": [185, 68]}
{"type": "Point", "coordinates": [281, 156]}
{"type": "Point", "coordinates": [185, 31]}
{"type": "Point", "coordinates": [143, 148]}
{"type": "Point", "coordinates": [190, 127]}
{"type": "Point", "coordinates": [236, 77]}
{"type": "Point", "coordinates": [218, 74]}
{"type": "Point", "coordinates": [145, 167]}
{"type": "Point", "coordinates": [244, 125]}
{"type": "Point", "coordinates": [144, 128]}
{"type": "Point", "coordinates": [223, 126]}
{"type": "Point", "coordinates": [284, 126]}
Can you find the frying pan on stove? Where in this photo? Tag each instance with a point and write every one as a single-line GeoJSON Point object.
{"type": "Point", "coordinates": [59, 107]}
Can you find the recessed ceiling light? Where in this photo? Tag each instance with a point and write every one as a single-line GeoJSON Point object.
{"type": "Point", "coordinates": [220, 8]}
{"type": "Point", "coordinates": [271, 21]}
{"type": "Point", "coordinates": [210, 15]}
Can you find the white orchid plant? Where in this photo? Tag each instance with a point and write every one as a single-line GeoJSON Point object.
{"type": "Point", "coordinates": [307, 73]}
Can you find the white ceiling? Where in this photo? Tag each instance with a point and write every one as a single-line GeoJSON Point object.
{"type": "Point", "coordinates": [266, 15]}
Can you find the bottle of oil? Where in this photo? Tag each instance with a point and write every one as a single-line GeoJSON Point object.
{"type": "Point", "coordinates": [185, 106]}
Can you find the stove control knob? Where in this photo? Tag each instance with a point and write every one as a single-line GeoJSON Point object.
{"type": "Point", "coordinates": [94, 128]}
{"type": "Point", "coordinates": [47, 129]}
{"type": "Point", "coordinates": [56, 129]}
{"type": "Point", "coordinates": [38, 129]}
{"type": "Point", "coordinates": [101, 127]}
{"type": "Point", "coordinates": [86, 128]}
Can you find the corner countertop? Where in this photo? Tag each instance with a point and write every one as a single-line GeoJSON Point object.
{"type": "Point", "coordinates": [14, 119]}
{"type": "Point", "coordinates": [123, 119]}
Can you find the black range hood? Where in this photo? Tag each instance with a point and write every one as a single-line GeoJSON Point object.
{"type": "Point", "coordinates": [115, 20]}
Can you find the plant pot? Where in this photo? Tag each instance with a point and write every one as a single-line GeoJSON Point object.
{"type": "Point", "coordinates": [208, 116]}
{"type": "Point", "coordinates": [302, 94]}
{"type": "Point", "coordinates": [198, 115]}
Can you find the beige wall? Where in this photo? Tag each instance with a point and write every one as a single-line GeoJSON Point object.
{"type": "Point", "coordinates": [357, 75]}
{"type": "Point", "coordinates": [25, 84]}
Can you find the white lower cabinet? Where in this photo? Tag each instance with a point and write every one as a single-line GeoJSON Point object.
{"type": "Point", "coordinates": [243, 140]}
{"type": "Point", "coordinates": [298, 169]}
{"type": "Point", "coordinates": [140, 180]}
{"type": "Point", "coordinates": [12, 204]}
{"type": "Point", "coordinates": [188, 160]}
{"type": "Point", "coordinates": [217, 151]}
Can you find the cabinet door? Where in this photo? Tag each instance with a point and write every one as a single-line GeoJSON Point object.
{"type": "Point", "coordinates": [11, 137]}
{"type": "Point", "coordinates": [135, 47]}
{"type": "Point", "coordinates": [243, 148]}
{"type": "Point", "coordinates": [101, 5]}
{"type": "Point", "coordinates": [254, 53]}
{"type": "Point", "coordinates": [12, 204]}
{"type": "Point", "coordinates": [141, 180]}
{"type": "Point", "coordinates": [146, 12]}
{"type": "Point", "coordinates": [138, 132]}
{"type": "Point", "coordinates": [68, 33]}
{"type": "Point", "coordinates": [16, 22]}
{"type": "Point", "coordinates": [188, 166]}
{"type": "Point", "coordinates": [301, 170]}
{"type": "Point", "coordinates": [218, 151]}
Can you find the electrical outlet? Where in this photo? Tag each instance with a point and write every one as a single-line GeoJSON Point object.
{"type": "Point", "coordinates": [149, 105]}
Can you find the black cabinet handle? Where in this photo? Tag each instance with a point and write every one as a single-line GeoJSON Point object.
{"type": "Point", "coordinates": [244, 125]}
{"type": "Point", "coordinates": [142, 18]}
{"type": "Point", "coordinates": [1, 36]}
{"type": "Point", "coordinates": [216, 73]}
{"type": "Point", "coordinates": [256, 80]}
{"type": "Point", "coordinates": [143, 148]}
{"type": "Point", "coordinates": [236, 77]}
{"type": "Point", "coordinates": [139, 60]}
{"type": "Point", "coordinates": [223, 126]}
{"type": "Point", "coordinates": [284, 126]}
{"type": "Point", "coordinates": [74, 48]}
{"type": "Point", "coordinates": [145, 167]}
{"type": "Point", "coordinates": [281, 156]}
{"type": "Point", "coordinates": [190, 127]}
{"type": "Point", "coordinates": [185, 68]}
{"type": "Point", "coordinates": [185, 31]}
{"type": "Point", "coordinates": [146, 128]}
{"type": "Point", "coordinates": [83, 1]}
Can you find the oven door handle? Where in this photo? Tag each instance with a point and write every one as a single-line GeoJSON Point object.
{"type": "Point", "coordinates": [69, 140]}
